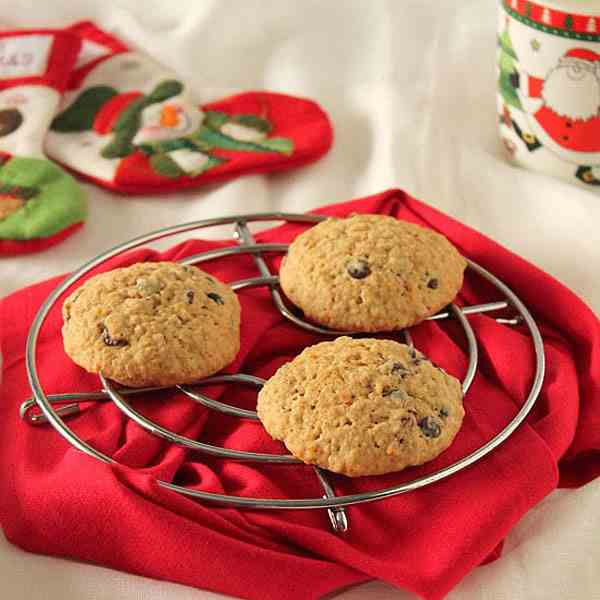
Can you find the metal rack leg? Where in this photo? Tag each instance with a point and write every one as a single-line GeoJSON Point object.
{"type": "Point", "coordinates": [337, 516]}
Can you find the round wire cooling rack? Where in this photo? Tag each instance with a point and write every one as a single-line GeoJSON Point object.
{"type": "Point", "coordinates": [54, 407]}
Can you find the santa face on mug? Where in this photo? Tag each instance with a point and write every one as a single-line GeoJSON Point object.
{"type": "Point", "coordinates": [572, 89]}
{"type": "Point", "coordinates": [564, 108]}
{"type": "Point", "coordinates": [548, 64]}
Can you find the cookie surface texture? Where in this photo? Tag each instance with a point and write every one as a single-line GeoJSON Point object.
{"type": "Point", "coordinates": [362, 407]}
{"type": "Point", "coordinates": [153, 323]}
{"type": "Point", "coordinates": [371, 273]}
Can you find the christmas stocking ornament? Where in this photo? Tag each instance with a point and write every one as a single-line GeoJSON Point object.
{"type": "Point", "coordinates": [129, 124]}
{"type": "Point", "coordinates": [40, 204]}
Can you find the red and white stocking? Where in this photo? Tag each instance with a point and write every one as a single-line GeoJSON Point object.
{"type": "Point", "coordinates": [40, 204]}
{"type": "Point", "coordinates": [129, 124]}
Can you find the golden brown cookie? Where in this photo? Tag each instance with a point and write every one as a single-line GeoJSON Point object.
{"type": "Point", "coordinates": [153, 323]}
{"type": "Point", "coordinates": [371, 273]}
{"type": "Point", "coordinates": [362, 406]}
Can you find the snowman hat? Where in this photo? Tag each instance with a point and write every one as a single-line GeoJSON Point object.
{"type": "Point", "coordinates": [583, 54]}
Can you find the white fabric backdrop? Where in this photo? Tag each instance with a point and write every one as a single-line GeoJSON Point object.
{"type": "Point", "coordinates": [410, 89]}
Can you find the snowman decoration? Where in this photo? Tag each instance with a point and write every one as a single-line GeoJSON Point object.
{"type": "Point", "coordinates": [563, 111]}
{"type": "Point", "coordinates": [177, 136]}
{"type": "Point", "coordinates": [161, 124]}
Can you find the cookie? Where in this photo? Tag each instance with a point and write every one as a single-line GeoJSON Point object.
{"type": "Point", "coordinates": [153, 323]}
{"type": "Point", "coordinates": [362, 406]}
{"type": "Point", "coordinates": [371, 273]}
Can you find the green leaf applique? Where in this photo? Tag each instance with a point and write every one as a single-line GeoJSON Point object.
{"type": "Point", "coordinates": [163, 146]}
{"type": "Point", "coordinates": [212, 162]}
{"type": "Point", "coordinates": [165, 90]}
{"type": "Point", "coordinates": [166, 166]}
{"type": "Point", "coordinates": [124, 131]}
{"type": "Point", "coordinates": [215, 119]}
{"type": "Point", "coordinates": [216, 139]}
{"type": "Point", "coordinates": [81, 114]}
{"type": "Point", "coordinates": [253, 121]}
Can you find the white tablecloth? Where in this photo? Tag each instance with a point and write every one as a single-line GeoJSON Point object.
{"type": "Point", "coordinates": [410, 88]}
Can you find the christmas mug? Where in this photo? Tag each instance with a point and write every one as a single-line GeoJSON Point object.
{"type": "Point", "coordinates": [549, 87]}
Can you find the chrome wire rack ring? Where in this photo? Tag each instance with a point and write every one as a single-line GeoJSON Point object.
{"type": "Point", "coordinates": [55, 407]}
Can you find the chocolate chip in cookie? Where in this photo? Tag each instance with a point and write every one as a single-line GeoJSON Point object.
{"type": "Point", "coordinates": [109, 340]}
{"type": "Point", "coordinates": [430, 427]}
{"type": "Point", "coordinates": [358, 268]}
{"type": "Point", "coordinates": [215, 298]}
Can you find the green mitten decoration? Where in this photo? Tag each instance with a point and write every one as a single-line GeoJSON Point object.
{"type": "Point", "coordinates": [81, 114]}
{"type": "Point", "coordinates": [52, 199]}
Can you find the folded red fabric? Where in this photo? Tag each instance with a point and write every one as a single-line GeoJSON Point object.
{"type": "Point", "coordinates": [56, 500]}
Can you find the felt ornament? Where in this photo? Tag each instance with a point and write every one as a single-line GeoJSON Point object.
{"type": "Point", "coordinates": [132, 125]}
{"type": "Point", "coordinates": [40, 204]}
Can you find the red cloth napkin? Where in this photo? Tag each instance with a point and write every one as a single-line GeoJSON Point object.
{"type": "Point", "coordinates": [56, 500]}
